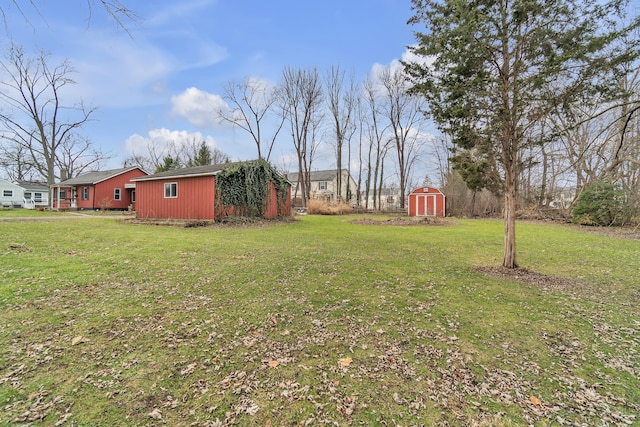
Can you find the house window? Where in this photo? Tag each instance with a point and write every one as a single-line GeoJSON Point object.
{"type": "Point", "coordinates": [37, 197]}
{"type": "Point", "coordinates": [170, 190]}
{"type": "Point", "coordinates": [133, 196]}
{"type": "Point", "coordinates": [85, 193]}
{"type": "Point", "coordinates": [7, 193]}
{"type": "Point", "coordinates": [63, 194]}
{"type": "Point", "coordinates": [116, 194]}
{"type": "Point", "coordinates": [322, 185]}
{"type": "Point", "coordinates": [27, 195]}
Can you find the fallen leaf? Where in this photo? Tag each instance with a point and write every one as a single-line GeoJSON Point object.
{"type": "Point", "coordinates": [155, 414]}
{"type": "Point", "coordinates": [273, 363]}
{"type": "Point", "coordinates": [285, 332]}
{"type": "Point", "coordinates": [346, 361]}
{"type": "Point", "coordinates": [189, 369]}
{"type": "Point", "coordinates": [79, 340]}
{"type": "Point", "coordinates": [536, 402]}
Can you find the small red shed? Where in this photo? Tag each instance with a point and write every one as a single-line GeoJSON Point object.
{"type": "Point", "coordinates": [427, 201]}
{"type": "Point", "coordinates": [190, 193]}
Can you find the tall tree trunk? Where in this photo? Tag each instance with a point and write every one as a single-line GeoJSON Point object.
{"type": "Point", "coordinates": [509, 260]}
{"type": "Point", "coordinates": [545, 171]}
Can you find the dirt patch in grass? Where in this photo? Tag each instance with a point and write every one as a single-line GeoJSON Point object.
{"type": "Point", "coordinates": [533, 278]}
{"type": "Point", "coordinates": [403, 221]}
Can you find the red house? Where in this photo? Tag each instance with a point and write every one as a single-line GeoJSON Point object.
{"type": "Point", "coordinates": [110, 189]}
{"type": "Point", "coordinates": [190, 193]}
{"type": "Point", "coordinates": [427, 201]}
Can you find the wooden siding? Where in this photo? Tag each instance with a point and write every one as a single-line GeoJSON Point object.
{"type": "Point", "coordinates": [196, 198]}
{"type": "Point", "coordinates": [89, 203]}
{"type": "Point", "coordinates": [100, 194]}
{"type": "Point", "coordinates": [426, 201]}
{"type": "Point", "coordinates": [271, 208]}
{"type": "Point", "coordinates": [103, 192]}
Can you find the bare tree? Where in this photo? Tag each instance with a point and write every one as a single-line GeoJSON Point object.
{"type": "Point", "coordinates": [252, 103]}
{"type": "Point", "coordinates": [14, 162]}
{"type": "Point", "coordinates": [300, 101]}
{"type": "Point", "coordinates": [115, 9]}
{"type": "Point", "coordinates": [377, 145]}
{"type": "Point", "coordinates": [405, 113]}
{"type": "Point", "coordinates": [36, 119]}
{"type": "Point", "coordinates": [341, 103]}
{"type": "Point", "coordinates": [175, 155]}
{"type": "Point", "coordinates": [78, 155]}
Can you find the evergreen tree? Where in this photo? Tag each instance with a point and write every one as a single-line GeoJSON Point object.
{"type": "Point", "coordinates": [168, 164]}
{"type": "Point", "coordinates": [601, 203]}
{"type": "Point", "coordinates": [203, 157]}
{"type": "Point", "coordinates": [492, 69]}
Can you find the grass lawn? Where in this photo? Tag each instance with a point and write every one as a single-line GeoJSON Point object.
{"type": "Point", "coordinates": [20, 212]}
{"type": "Point", "coordinates": [321, 321]}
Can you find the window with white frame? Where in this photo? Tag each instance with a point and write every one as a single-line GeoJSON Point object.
{"type": "Point", "coordinates": [37, 197]}
{"type": "Point", "coordinates": [85, 193]}
{"type": "Point", "coordinates": [322, 185]}
{"type": "Point", "coordinates": [170, 190]}
{"type": "Point", "coordinates": [7, 193]}
{"type": "Point", "coordinates": [27, 195]}
{"type": "Point", "coordinates": [117, 194]}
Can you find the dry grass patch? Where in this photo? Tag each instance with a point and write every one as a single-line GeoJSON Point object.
{"type": "Point", "coordinates": [318, 207]}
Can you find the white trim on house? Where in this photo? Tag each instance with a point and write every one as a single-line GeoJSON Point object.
{"type": "Point", "coordinates": [172, 188]}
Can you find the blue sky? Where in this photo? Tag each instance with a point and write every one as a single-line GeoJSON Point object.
{"type": "Point", "coordinates": [153, 83]}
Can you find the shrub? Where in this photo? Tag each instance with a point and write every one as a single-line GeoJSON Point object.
{"type": "Point", "coordinates": [318, 207]}
{"type": "Point", "coordinates": [600, 203]}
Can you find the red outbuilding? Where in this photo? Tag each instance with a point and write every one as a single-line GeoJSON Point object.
{"type": "Point", "coordinates": [110, 189]}
{"type": "Point", "coordinates": [427, 201]}
{"type": "Point", "coordinates": [190, 193]}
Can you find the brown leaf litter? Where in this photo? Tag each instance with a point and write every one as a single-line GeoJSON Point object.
{"type": "Point", "coordinates": [531, 277]}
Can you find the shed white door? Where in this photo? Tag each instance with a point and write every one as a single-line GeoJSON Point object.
{"type": "Point", "coordinates": [425, 205]}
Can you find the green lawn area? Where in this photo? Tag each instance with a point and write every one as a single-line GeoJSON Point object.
{"type": "Point", "coordinates": [20, 212]}
{"type": "Point", "coordinates": [322, 321]}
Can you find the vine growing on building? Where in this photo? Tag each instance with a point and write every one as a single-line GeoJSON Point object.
{"type": "Point", "coordinates": [243, 188]}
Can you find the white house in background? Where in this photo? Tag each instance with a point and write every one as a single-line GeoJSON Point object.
{"type": "Point", "coordinates": [387, 198]}
{"type": "Point", "coordinates": [36, 194]}
{"type": "Point", "coordinates": [324, 185]}
{"type": "Point", "coordinates": [11, 194]}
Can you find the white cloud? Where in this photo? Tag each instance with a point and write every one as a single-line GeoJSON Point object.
{"type": "Point", "coordinates": [183, 9]}
{"type": "Point", "coordinates": [119, 69]}
{"type": "Point", "coordinates": [121, 73]}
{"type": "Point", "coordinates": [396, 64]}
{"type": "Point", "coordinates": [198, 107]}
{"type": "Point", "coordinates": [163, 140]}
